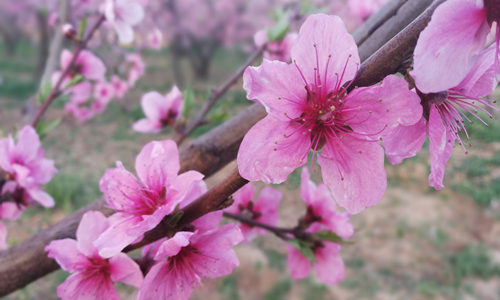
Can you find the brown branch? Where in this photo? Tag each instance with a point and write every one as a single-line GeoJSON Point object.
{"type": "Point", "coordinates": [27, 261]}
{"type": "Point", "coordinates": [278, 231]}
{"type": "Point", "coordinates": [56, 90]}
{"type": "Point", "coordinates": [215, 95]}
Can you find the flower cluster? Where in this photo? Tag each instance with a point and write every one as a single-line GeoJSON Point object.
{"type": "Point", "coordinates": [23, 171]}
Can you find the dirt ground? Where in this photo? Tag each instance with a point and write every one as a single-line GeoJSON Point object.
{"type": "Point", "coordinates": [416, 244]}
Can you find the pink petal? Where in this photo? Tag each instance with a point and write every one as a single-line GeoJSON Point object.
{"type": "Point", "coordinates": [10, 210]}
{"type": "Point", "coordinates": [242, 197]}
{"type": "Point", "coordinates": [354, 172]}
{"type": "Point", "coordinates": [130, 11]}
{"type": "Point", "coordinates": [260, 38]}
{"type": "Point", "coordinates": [117, 236]}
{"type": "Point", "coordinates": [173, 245]}
{"type": "Point", "coordinates": [267, 204]}
{"type": "Point", "coordinates": [163, 282]}
{"type": "Point", "coordinates": [66, 57]}
{"type": "Point", "coordinates": [404, 141]}
{"type": "Point", "coordinates": [28, 143]}
{"type": "Point", "coordinates": [124, 31]}
{"type": "Point", "coordinates": [174, 101]}
{"type": "Point", "coordinates": [482, 78]}
{"type": "Point", "coordinates": [298, 264]}
{"type": "Point", "coordinates": [266, 154]}
{"type": "Point", "coordinates": [278, 87]}
{"type": "Point", "coordinates": [307, 187]}
{"type": "Point", "coordinates": [441, 144]}
{"type": "Point", "coordinates": [92, 224]}
{"type": "Point", "coordinates": [120, 188]}
{"type": "Point", "coordinates": [124, 269]}
{"type": "Point", "coordinates": [79, 286]}
{"type": "Point", "coordinates": [152, 104]}
{"type": "Point", "coordinates": [329, 266]}
{"type": "Point", "coordinates": [382, 106]}
{"type": "Point", "coordinates": [66, 254]}
{"type": "Point", "coordinates": [208, 221]}
{"type": "Point", "coordinates": [158, 164]}
{"type": "Point", "coordinates": [41, 197]}
{"type": "Point", "coordinates": [447, 48]}
{"type": "Point", "coordinates": [187, 187]}
{"type": "Point", "coordinates": [3, 236]}
{"type": "Point", "coordinates": [92, 66]}
{"type": "Point", "coordinates": [335, 47]}
{"type": "Point", "coordinates": [147, 126]}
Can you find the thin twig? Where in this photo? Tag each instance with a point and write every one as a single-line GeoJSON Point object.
{"type": "Point", "coordinates": [216, 94]}
{"type": "Point", "coordinates": [56, 90]}
{"type": "Point", "coordinates": [278, 231]}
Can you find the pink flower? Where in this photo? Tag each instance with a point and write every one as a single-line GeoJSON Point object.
{"type": "Point", "coordinates": [120, 87]}
{"type": "Point", "coordinates": [123, 14]}
{"type": "Point", "coordinates": [80, 104]}
{"type": "Point", "coordinates": [185, 259]}
{"type": "Point", "coordinates": [160, 111]}
{"type": "Point", "coordinates": [141, 205]}
{"type": "Point", "coordinates": [449, 46]}
{"type": "Point", "coordinates": [321, 212]}
{"type": "Point", "coordinates": [137, 67]}
{"type": "Point", "coordinates": [155, 39]}
{"type": "Point", "coordinates": [25, 169]}
{"type": "Point", "coordinates": [363, 9]}
{"type": "Point", "coordinates": [446, 112]}
{"type": "Point", "coordinates": [103, 91]}
{"type": "Point", "coordinates": [87, 64]}
{"type": "Point", "coordinates": [92, 275]}
{"type": "Point", "coordinates": [263, 210]}
{"type": "Point", "coordinates": [309, 109]}
{"type": "Point", "coordinates": [8, 211]}
{"type": "Point", "coordinates": [275, 50]}
{"type": "Point", "coordinates": [328, 264]}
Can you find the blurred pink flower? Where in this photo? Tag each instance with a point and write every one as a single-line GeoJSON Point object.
{"type": "Point", "coordinates": [8, 211]}
{"type": "Point", "coordinates": [263, 210]}
{"type": "Point", "coordinates": [137, 67]}
{"type": "Point", "coordinates": [123, 14]}
{"type": "Point", "coordinates": [185, 259]}
{"type": "Point", "coordinates": [141, 205]}
{"type": "Point", "coordinates": [87, 64]}
{"type": "Point", "coordinates": [363, 9]}
{"type": "Point", "coordinates": [80, 104]}
{"type": "Point", "coordinates": [92, 275]}
{"type": "Point", "coordinates": [449, 46]}
{"type": "Point", "coordinates": [275, 50]}
{"type": "Point", "coordinates": [155, 39]}
{"type": "Point", "coordinates": [160, 111]}
{"type": "Point", "coordinates": [309, 108]}
{"type": "Point", "coordinates": [103, 91]}
{"type": "Point", "coordinates": [447, 112]}
{"type": "Point", "coordinates": [25, 168]}
{"type": "Point", "coordinates": [120, 87]}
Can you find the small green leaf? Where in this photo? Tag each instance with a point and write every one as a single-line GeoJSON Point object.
{"type": "Point", "coordinates": [42, 128]}
{"type": "Point", "coordinates": [188, 102]}
{"type": "Point", "coordinates": [304, 248]}
{"type": "Point", "coordinates": [175, 218]}
{"type": "Point", "coordinates": [83, 26]}
{"type": "Point", "coordinates": [330, 236]}
{"type": "Point", "coordinates": [279, 30]}
{"type": "Point", "coordinates": [74, 81]}
{"type": "Point", "coordinates": [43, 93]}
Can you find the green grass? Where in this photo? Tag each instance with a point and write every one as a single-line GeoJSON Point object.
{"type": "Point", "coordinates": [473, 261]}
{"type": "Point", "coordinates": [279, 291]}
{"type": "Point", "coordinates": [72, 191]}
{"type": "Point", "coordinates": [228, 288]}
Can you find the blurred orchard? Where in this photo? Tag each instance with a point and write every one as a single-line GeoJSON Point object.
{"type": "Point", "coordinates": [264, 149]}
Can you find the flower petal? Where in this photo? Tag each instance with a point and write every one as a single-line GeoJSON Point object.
{"type": "Point", "coordinates": [92, 224]}
{"type": "Point", "coordinates": [298, 264]}
{"type": "Point", "coordinates": [66, 254]}
{"type": "Point", "coordinates": [441, 144]}
{"type": "Point", "coordinates": [329, 266]}
{"type": "Point", "coordinates": [152, 104]}
{"type": "Point", "coordinates": [147, 126]}
{"type": "Point", "coordinates": [482, 78]}
{"type": "Point", "coordinates": [173, 245]}
{"type": "Point", "coordinates": [404, 141]}
{"type": "Point", "coordinates": [125, 269]}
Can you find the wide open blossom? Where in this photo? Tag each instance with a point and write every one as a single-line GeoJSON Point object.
{"type": "Point", "coordinates": [449, 46]}
{"type": "Point", "coordinates": [103, 92]}
{"type": "Point", "coordinates": [263, 210]}
{"type": "Point", "coordinates": [87, 65]}
{"type": "Point", "coordinates": [8, 211]}
{"type": "Point", "coordinates": [92, 275]}
{"type": "Point", "coordinates": [140, 205]}
{"type": "Point", "coordinates": [447, 113]}
{"type": "Point", "coordinates": [185, 259]}
{"type": "Point", "coordinates": [25, 169]}
{"type": "Point", "coordinates": [160, 111]}
{"type": "Point", "coordinates": [278, 50]}
{"type": "Point", "coordinates": [123, 14]}
{"type": "Point", "coordinates": [309, 108]}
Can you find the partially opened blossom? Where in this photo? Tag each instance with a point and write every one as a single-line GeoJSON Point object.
{"type": "Point", "coordinates": [321, 209]}
{"type": "Point", "coordinates": [160, 111]}
{"type": "Point", "coordinates": [123, 14]}
{"type": "Point", "coordinates": [185, 259]}
{"type": "Point", "coordinates": [8, 211]}
{"type": "Point", "coordinates": [328, 265]}
{"type": "Point", "coordinates": [141, 204]}
{"type": "Point", "coordinates": [278, 50]}
{"type": "Point", "coordinates": [449, 46]}
{"type": "Point", "coordinates": [263, 210]}
{"type": "Point", "coordinates": [120, 87]}
{"type": "Point", "coordinates": [25, 169]}
{"type": "Point", "coordinates": [447, 113]}
{"type": "Point", "coordinates": [92, 276]}
{"type": "Point", "coordinates": [136, 69]}
{"type": "Point", "coordinates": [86, 64]}
{"type": "Point", "coordinates": [309, 108]}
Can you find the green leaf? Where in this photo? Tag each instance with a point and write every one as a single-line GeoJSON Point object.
{"type": "Point", "coordinates": [42, 128]}
{"type": "Point", "coordinates": [279, 30]}
{"type": "Point", "coordinates": [43, 93]}
{"type": "Point", "coordinates": [175, 218]}
{"type": "Point", "coordinates": [304, 248]}
{"type": "Point", "coordinates": [329, 236]}
{"type": "Point", "coordinates": [81, 30]}
{"type": "Point", "coordinates": [74, 81]}
{"type": "Point", "coordinates": [188, 102]}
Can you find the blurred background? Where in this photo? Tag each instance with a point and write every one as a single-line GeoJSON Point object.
{"type": "Point", "coordinates": [416, 244]}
